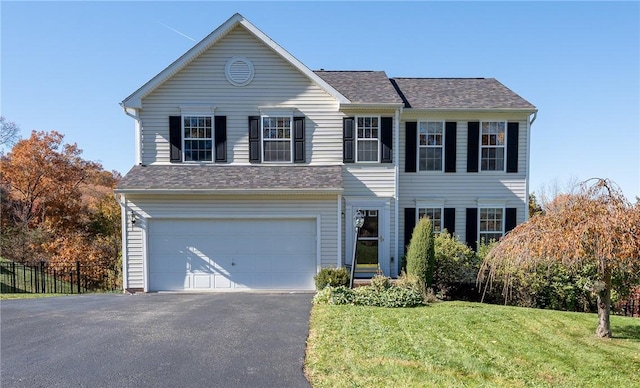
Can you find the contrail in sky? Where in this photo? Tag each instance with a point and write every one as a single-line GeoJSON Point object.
{"type": "Point", "coordinates": [176, 31]}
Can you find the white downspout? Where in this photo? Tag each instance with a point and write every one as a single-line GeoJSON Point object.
{"type": "Point", "coordinates": [339, 258]}
{"type": "Point", "coordinates": [530, 123]}
{"type": "Point", "coordinates": [120, 198]}
{"type": "Point", "coordinates": [396, 157]}
{"type": "Point", "coordinates": [138, 136]}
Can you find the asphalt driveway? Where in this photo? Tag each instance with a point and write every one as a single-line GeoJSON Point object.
{"type": "Point", "coordinates": [159, 340]}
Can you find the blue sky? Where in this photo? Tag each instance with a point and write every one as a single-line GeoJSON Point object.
{"type": "Point", "coordinates": [66, 66]}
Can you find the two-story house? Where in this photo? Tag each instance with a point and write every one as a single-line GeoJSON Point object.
{"type": "Point", "coordinates": [250, 166]}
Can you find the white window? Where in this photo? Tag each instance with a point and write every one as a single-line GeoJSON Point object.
{"type": "Point", "coordinates": [434, 214]}
{"type": "Point", "coordinates": [492, 146]}
{"type": "Point", "coordinates": [367, 139]}
{"type": "Point", "coordinates": [276, 138]}
{"type": "Point", "coordinates": [431, 145]}
{"type": "Point", "coordinates": [491, 224]}
{"type": "Point", "coordinates": [198, 138]}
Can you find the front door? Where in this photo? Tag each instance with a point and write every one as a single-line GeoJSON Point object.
{"type": "Point", "coordinates": [368, 244]}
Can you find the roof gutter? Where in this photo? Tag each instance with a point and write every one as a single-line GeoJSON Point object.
{"type": "Point", "coordinates": [326, 191]}
{"type": "Point", "coordinates": [392, 106]}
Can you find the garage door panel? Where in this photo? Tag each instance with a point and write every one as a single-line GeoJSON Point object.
{"type": "Point", "coordinates": [232, 254]}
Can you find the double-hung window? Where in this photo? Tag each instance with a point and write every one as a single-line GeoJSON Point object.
{"type": "Point", "coordinates": [198, 138]}
{"type": "Point", "coordinates": [276, 138]}
{"type": "Point", "coordinates": [492, 145]}
{"type": "Point", "coordinates": [431, 145]}
{"type": "Point", "coordinates": [367, 139]}
{"type": "Point", "coordinates": [434, 214]}
{"type": "Point", "coordinates": [491, 224]}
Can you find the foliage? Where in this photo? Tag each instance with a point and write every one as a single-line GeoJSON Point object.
{"type": "Point", "coordinates": [57, 207]}
{"type": "Point", "coordinates": [379, 294]}
{"type": "Point", "coordinates": [534, 206]}
{"type": "Point", "coordinates": [340, 295]}
{"type": "Point", "coordinates": [462, 344]}
{"type": "Point", "coordinates": [386, 297]}
{"type": "Point", "coordinates": [596, 227]}
{"type": "Point", "coordinates": [456, 266]}
{"type": "Point", "coordinates": [333, 277]}
{"type": "Point", "coordinates": [421, 255]}
{"type": "Point", "coordinates": [380, 282]}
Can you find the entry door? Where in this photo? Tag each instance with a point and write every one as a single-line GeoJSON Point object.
{"type": "Point", "coordinates": [368, 252]}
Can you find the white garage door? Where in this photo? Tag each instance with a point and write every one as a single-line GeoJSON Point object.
{"type": "Point", "coordinates": [227, 254]}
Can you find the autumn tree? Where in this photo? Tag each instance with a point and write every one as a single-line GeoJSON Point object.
{"type": "Point", "coordinates": [595, 226]}
{"type": "Point", "coordinates": [58, 207]}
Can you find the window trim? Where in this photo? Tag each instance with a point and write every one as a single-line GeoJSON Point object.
{"type": "Point", "coordinates": [377, 139]}
{"type": "Point", "coordinates": [479, 220]}
{"type": "Point", "coordinates": [504, 146]}
{"type": "Point", "coordinates": [275, 114]}
{"type": "Point", "coordinates": [419, 146]}
{"type": "Point", "coordinates": [441, 208]}
{"type": "Point", "coordinates": [183, 138]}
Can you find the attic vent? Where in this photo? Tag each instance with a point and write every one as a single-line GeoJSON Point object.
{"type": "Point", "coordinates": [239, 71]}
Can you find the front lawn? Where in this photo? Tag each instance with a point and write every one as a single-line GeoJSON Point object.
{"type": "Point", "coordinates": [468, 344]}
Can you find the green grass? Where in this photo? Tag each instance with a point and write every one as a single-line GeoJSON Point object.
{"type": "Point", "coordinates": [28, 296]}
{"type": "Point", "coordinates": [468, 344]}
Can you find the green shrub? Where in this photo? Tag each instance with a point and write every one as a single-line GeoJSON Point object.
{"type": "Point", "coordinates": [421, 256]}
{"type": "Point", "coordinates": [333, 277]}
{"type": "Point", "coordinates": [380, 282]}
{"type": "Point", "coordinates": [387, 297]}
{"type": "Point", "coordinates": [456, 266]}
{"type": "Point", "coordinates": [391, 296]}
{"type": "Point", "coordinates": [340, 295]}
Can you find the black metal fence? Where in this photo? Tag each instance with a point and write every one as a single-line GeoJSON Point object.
{"type": "Point", "coordinates": [42, 278]}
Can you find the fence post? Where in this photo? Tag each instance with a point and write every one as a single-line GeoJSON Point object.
{"type": "Point", "coordinates": [13, 276]}
{"type": "Point", "coordinates": [42, 277]}
{"type": "Point", "coordinates": [78, 273]}
{"type": "Point", "coordinates": [35, 283]}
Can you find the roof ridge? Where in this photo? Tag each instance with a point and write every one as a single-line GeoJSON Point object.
{"type": "Point", "coordinates": [441, 78]}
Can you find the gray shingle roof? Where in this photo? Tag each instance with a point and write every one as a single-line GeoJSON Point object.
{"type": "Point", "coordinates": [367, 87]}
{"type": "Point", "coordinates": [212, 178]}
{"type": "Point", "coordinates": [458, 93]}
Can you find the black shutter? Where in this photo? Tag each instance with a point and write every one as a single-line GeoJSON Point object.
{"type": "Point", "coordinates": [473, 145]}
{"type": "Point", "coordinates": [386, 138]}
{"type": "Point", "coordinates": [409, 224]}
{"type": "Point", "coordinates": [175, 139]}
{"type": "Point", "coordinates": [254, 139]}
{"type": "Point", "coordinates": [450, 146]}
{"type": "Point", "coordinates": [449, 221]}
{"type": "Point", "coordinates": [220, 138]}
{"type": "Point", "coordinates": [472, 228]}
{"type": "Point", "coordinates": [411, 146]}
{"type": "Point", "coordinates": [512, 147]}
{"type": "Point", "coordinates": [348, 140]}
{"type": "Point", "coordinates": [298, 140]}
{"type": "Point", "coordinates": [510, 218]}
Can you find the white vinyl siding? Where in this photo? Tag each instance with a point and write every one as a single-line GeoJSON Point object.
{"type": "Point", "coordinates": [461, 190]}
{"type": "Point", "coordinates": [275, 83]}
{"type": "Point", "coordinates": [322, 208]}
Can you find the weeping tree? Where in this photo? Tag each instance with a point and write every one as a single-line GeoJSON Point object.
{"type": "Point", "coordinates": [595, 226]}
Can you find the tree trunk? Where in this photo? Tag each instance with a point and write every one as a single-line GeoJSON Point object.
{"type": "Point", "coordinates": [604, 307]}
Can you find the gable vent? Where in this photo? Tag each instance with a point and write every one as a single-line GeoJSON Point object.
{"type": "Point", "coordinates": [239, 71]}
